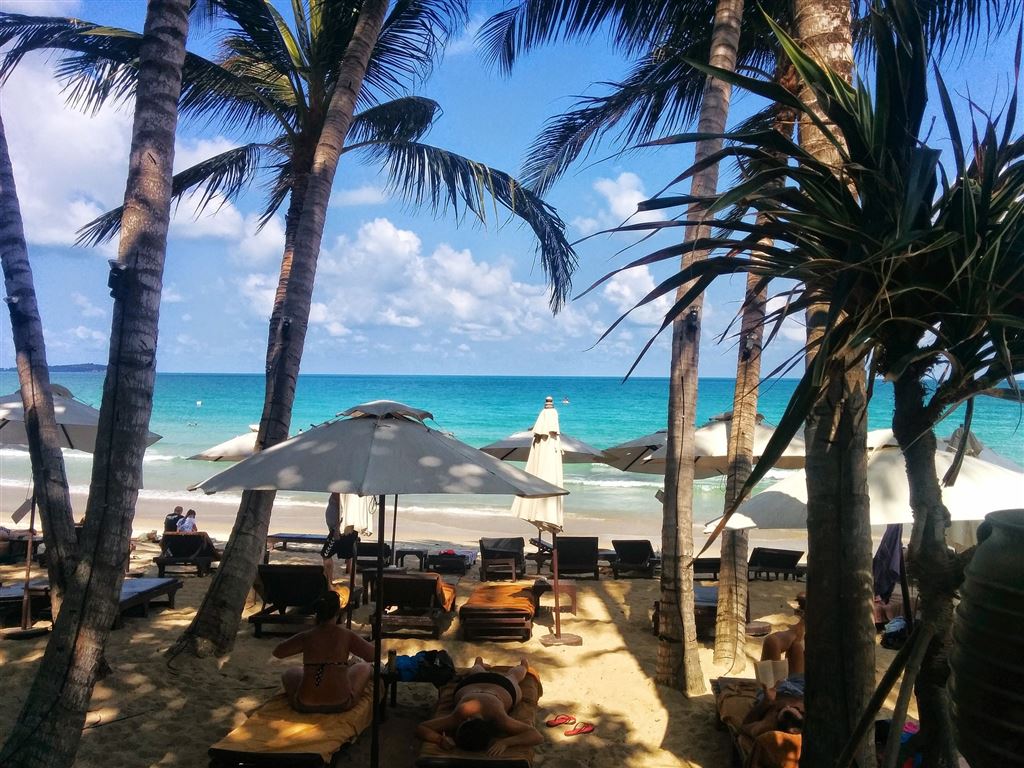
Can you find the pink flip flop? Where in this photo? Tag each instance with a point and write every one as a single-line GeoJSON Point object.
{"type": "Point", "coordinates": [580, 729]}
{"type": "Point", "coordinates": [558, 720]}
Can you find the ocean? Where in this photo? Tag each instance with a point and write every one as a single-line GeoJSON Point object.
{"type": "Point", "coordinates": [193, 411]}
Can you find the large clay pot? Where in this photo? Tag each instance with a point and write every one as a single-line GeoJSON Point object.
{"type": "Point", "coordinates": [988, 653]}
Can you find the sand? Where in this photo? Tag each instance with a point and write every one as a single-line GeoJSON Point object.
{"type": "Point", "coordinates": [149, 712]}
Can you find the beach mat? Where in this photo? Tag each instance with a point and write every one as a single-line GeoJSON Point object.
{"type": "Point", "coordinates": [275, 734]}
{"type": "Point", "coordinates": [525, 710]}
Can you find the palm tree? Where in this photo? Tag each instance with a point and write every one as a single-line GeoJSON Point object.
{"type": "Point", "coordinates": [49, 481]}
{"type": "Point", "coordinates": [269, 78]}
{"type": "Point", "coordinates": [918, 268]}
{"type": "Point", "coordinates": [49, 727]}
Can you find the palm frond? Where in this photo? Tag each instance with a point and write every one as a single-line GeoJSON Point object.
{"type": "Point", "coordinates": [445, 182]}
{"type": "Point", "coordinates": [403, 119]}
{"type": "Point", "coordinates": [218, 178]}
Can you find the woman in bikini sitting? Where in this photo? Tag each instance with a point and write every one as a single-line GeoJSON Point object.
{"type": "Point", "coordinates": [326, 681]}
{"type": "Point", "coordinates": [483, 700]}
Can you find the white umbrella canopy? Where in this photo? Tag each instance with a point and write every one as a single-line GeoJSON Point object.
{"type": "Point", "coordinates": [77, 423]}
{"type": "Point", "coordinates": [980, 488]}
{"type": "Point", "coordinates": [545, 462]}
{"type": "Point", "coordinates": [516, 447]}
{"type": "Point", "coordinates": [977, 450]}
{"type": "Point", "coordinates": [234, 449]}
{"type": "Point", "coordinates": [648, 454]}
{"type": "Point", "coordinates": [383, 448]}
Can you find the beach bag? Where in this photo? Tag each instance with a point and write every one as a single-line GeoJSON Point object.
{"type": "Point", "coordinates": [895, 634]}
{"type": "Point", "coordinates": [434, 667]}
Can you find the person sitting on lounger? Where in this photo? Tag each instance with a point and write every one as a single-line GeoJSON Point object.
{"type": "Point", "coordinates": [788, 643]}
{"type": "Point", "coordinates": [483, 700]}
{"type": "Point", "coordinates": [326, 681]}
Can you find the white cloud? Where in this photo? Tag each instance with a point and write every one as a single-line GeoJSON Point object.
{"type": "Point", "coordinates": [188, 152]}
{"type": "Point", "coordinates": [630, 286]}
{"type": "Point", "coordinates": [219, 219]}
{"type": "Point", "coordinates": [620, 198]}
{"type": "Point", "coordinates": [171, 294]}
{"type": "Point", "coordinates": [86, 307]}
{"type": "Point", "coordinates": [90, 336]}
{"type": "Point", "coordinates": [466, 42]}
{"type": "Point", "coordinates": [62, 183]}
{"type": "Point", "coordinates": [259, 289]}
{"type": "Point", "coordinates": [792, 329]}
{"type": "Point", "coordinates": [364, 195]}
{"type": "Point", "coordinates": [42, 7]}
{"type": "Point", "coordinates": [259, 246]}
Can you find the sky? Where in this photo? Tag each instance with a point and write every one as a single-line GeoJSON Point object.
{"type": "Point", "coordinates": [398, 291]}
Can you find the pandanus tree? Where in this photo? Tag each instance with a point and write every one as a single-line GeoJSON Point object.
{"type": "Point", "coordinates": [49, 726]}
{"type": "Point", "coordinates": [280, 83]}
{"type": "Point", "coordinates": [918, 268]}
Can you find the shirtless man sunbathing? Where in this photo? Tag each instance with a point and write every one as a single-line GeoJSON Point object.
{"type": "Point", "coordinates": [326, 681]}
{"type": "Point", "coordinates": [483, 700]}
{"type": "Point", "coordinates": [788, 643]}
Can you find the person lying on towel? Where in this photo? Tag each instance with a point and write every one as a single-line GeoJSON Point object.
{"type": "Point", "coordinates": [483, 700]}
{"type": "Point", "coordinates": [777, 709]}
{"type": "Point", "coordinates": [326, 681]}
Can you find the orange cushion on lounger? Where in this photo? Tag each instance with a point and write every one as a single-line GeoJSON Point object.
{"type": "Point", "coordinates": [487, 597]}
{"type": "Point", "coordinates": [277, 729]}
{"type": "Point", "coordinates": [525, 710]}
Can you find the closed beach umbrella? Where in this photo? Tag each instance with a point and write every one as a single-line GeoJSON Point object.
{"type": "Point", "coordinates": [545, 461]}
{"type": "Point", "coordinates": [516, 447]}
{"type": "Point", "coordinates": [377, 449]}
{"type": "Point", "coordinates": [979, 489]}
{"type": "Point", "coordinates": [648, 454]}
{"type": "Point", "coordinates": [235, 449]}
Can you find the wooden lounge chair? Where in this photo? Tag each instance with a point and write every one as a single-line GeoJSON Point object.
{"type": "Point", "coordinates": [499, 612]}
{"type": "Point", "coordinates": [502, 558]}
{"type": "Point", "coordinates": [543, 554]}
{"type": "Point", "coordinates": [276, 735]}
{"type": "Point", "coordinates": [288, 593]}
{"type": "Point", "coordinates": [525, 710]}
{"type": "Point", "coordinates": [707, 568]}
{"type": "Point", "coordinates": [416, 602]}
{"type": "Point", "coordinates": [778, 562]}
{"type": "Point", "coordinates": [577, 555]}
{"type": "Point", "coordinates": [11, 596]}
{"type": "Point", "coordinates": [633, 556]}
{"type": "Point", "coordinates": [366, 555]}
{"type": "Point", "coordinates": [448, 563]}
{"type": "Point", "coordinates": [734, 698]}
{"type": "Point", "coordinates": [138, 594]}
{"type": "Point", "coordinates": [705, 609]}
{"type": "Point", "coordinates": [187, 549]}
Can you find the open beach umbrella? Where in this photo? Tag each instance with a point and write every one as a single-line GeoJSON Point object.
{"type": "Point", "coordinates": [977, 449]}
{"type": "Point", "coordinates": [77, 426]}
{"type": "Point", "coordinates": [234, 449]}
{"type": "Point", "coordinates": [980, 488]}
{"type": "Point", "coordinates": [516, 447]}
{"type": "Point", "coordinates": [545, 461]}
{"type": "Point", "coordinates": [648, 454]}
{"type": "Point", "coordinates": [377, 449]}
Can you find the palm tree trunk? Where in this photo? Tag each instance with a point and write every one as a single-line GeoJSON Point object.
{"type": "Point", "coordinates": [840, 658]}
{"type": "Point", "coordinates": [678, 663]}
{"type": "Point", "coordinates": [50, 483]}
{"type": "Point", "coordinates": [216, 624]}
{"type": "Point", "coordinates": [50, 724]}
{"type": "Point", "coordinates": [935, 569]}
{"type": "Point", "coordinates": [730, 622]}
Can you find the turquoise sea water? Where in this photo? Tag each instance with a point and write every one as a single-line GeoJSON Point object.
{"type": "Point", "coordinates": [195, 411]}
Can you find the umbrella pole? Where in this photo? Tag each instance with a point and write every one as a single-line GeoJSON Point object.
{"type": "Point", "coordinates": [558, 638]}
{"type": "Point", "coordinates": [26, 601]}
{"type": "Point", "coordinates": [377, 611]}
{"type": "Point", "coordinates": [394, 527]}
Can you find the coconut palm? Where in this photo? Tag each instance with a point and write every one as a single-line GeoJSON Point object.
{"type": "Point", "coordinates": [49, 727]}
{"type": "Point", "coordinates": [49, 480]}
{"type": "Point", "coordinates": [918, 268]}
{"type": "Point", "coordinates": [279, 83]}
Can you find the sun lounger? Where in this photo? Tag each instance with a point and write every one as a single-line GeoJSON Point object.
{"type": "Point", "coordinates": [138, 594]}
{"type": "Point", "coordinates": [634, 556]}
{"type": "Point", "coordinates": [277, 735]}
{"type": "Point", "coordinates": [288, 593]}
{"type": "Point", "coordinates": [577, 555]}
{"type": "Point", "coordinates": [499, 612]}
{"type": "Point", "coordinates": [705, 609]}
{"type": "Point", "coordinates": [734, 698]}
{"type": "Point", "coordinates": [12, 594]}
{"type": "Point", "coordinates": [707, 568]}
{"type": "Point", "coordinates": [187, 549]}
{"type": "Point", "coordinates": [525, 710]}
{"type": "Point", "coordinates": [457, 561]}
{"type": "Point", "coordinates": [502, 558]}
{"type": "Point", "coordinates": [778, 562]}
{"type": "Point", "coordinates": [415, 601]}
{"type": "Point", "coordinates": [366, 554]}
{"type": "Point", "coordinates": [14, 545]}
{"type": "Point", "coordinates": [543, 554]}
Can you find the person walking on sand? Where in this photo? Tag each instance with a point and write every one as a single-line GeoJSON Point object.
{"type": "Point", "coordinates": [483, 700]}
{"type": "Point", "coordinates": [326, 681]}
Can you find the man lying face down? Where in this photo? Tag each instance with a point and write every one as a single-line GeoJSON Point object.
{"type": "Point", "coordinates": [483, 700]}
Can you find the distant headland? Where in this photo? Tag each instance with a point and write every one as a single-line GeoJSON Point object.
{"type": "Point", "coordinates": [76, 368]}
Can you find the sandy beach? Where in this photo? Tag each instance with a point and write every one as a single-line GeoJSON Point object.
{"type": "Point", "coordinates": [153, 713]}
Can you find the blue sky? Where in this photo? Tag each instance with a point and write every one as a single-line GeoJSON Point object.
{"type": "Point", "coordinates": [398, 291]}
